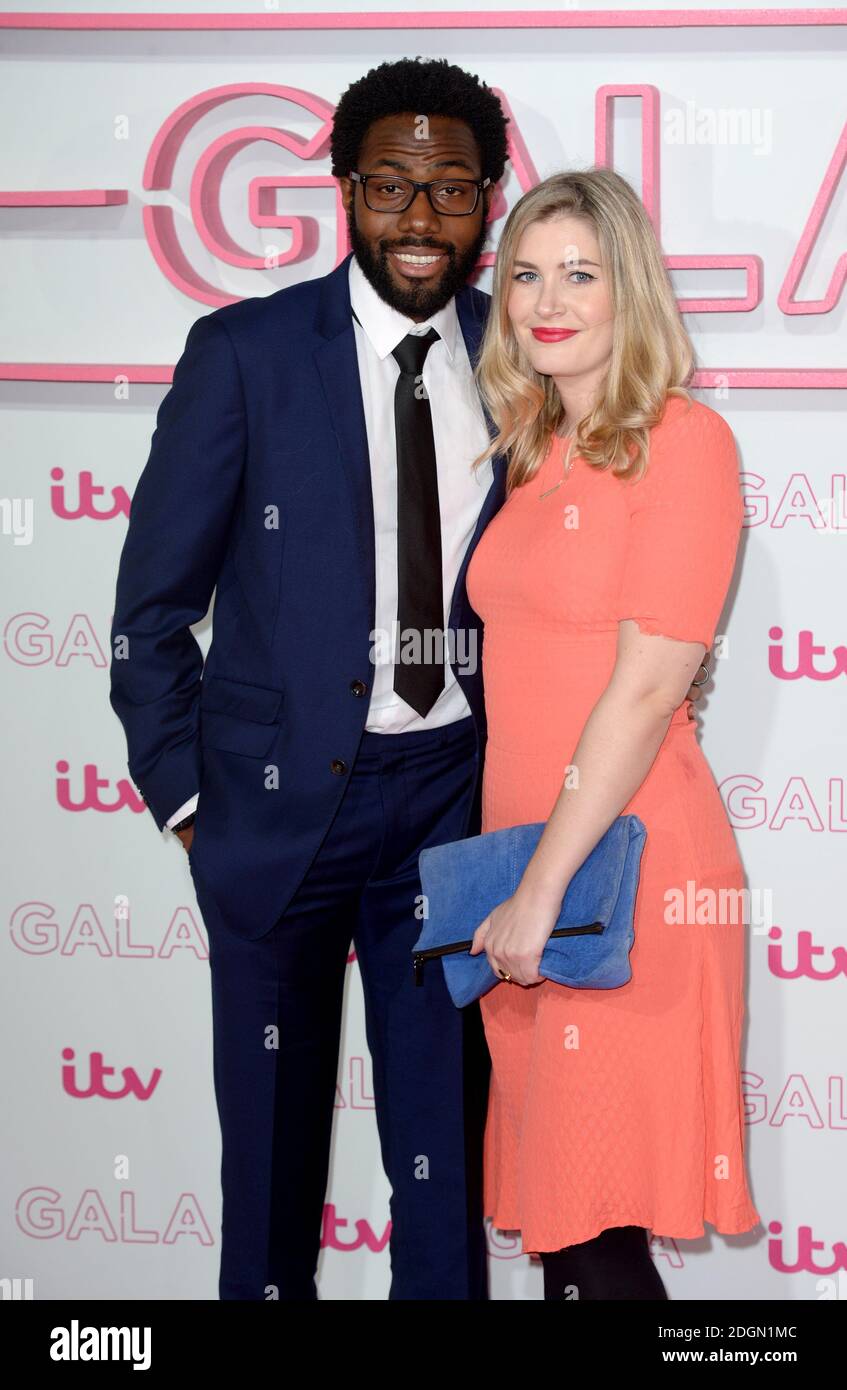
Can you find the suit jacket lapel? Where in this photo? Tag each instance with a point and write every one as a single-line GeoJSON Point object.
{"type": "Point", "coordinates": [338, 365]}
{"type": "Point", "coordinates": [472, 313]}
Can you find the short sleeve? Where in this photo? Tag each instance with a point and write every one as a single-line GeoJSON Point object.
{"type": "Point", "coordinates": [684, 527]}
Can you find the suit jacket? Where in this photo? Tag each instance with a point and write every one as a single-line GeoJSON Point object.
{"type": "Point", "coordinates": [257, 487]}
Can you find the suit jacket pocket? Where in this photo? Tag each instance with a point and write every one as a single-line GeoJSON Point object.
{"type": "Point", "coordinates": [238, 717]}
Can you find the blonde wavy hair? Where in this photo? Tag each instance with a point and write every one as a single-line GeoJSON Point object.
{"type": "Point", "coordinates": [652, 356]}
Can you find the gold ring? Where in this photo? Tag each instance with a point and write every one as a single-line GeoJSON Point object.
{"type": "Point", "coordinates": [504, 974]}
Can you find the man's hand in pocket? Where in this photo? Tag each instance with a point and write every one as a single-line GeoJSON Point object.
{"type": "Point", "coordinates": [186, 836]}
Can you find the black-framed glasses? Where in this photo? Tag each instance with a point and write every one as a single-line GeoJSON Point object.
{"type": "Point", "coordinates": [450, 197]}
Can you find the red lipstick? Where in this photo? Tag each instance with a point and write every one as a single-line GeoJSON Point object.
{"type": "Point", "coordinates": [553, 335]}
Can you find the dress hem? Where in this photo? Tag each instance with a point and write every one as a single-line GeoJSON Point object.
{"type": "Point", "coordinates": [723, 1226]}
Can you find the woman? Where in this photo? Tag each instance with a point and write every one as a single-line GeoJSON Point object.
{"type": "Point", "coordinates": [600, 583]}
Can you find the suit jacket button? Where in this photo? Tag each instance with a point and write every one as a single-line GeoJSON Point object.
{"type": "Point", "coordinates": [357, 687]}
{"type": "Point", "coordinates": [338, 766]}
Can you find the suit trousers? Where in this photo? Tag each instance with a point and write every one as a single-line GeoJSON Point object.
{"type": "Point", "coordinates": [276, 1015]}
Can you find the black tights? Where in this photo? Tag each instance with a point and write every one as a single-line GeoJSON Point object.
{"type": "Point", "coordinates": [614, 1265]}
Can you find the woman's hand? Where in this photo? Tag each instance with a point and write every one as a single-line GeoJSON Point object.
{"type": "Point", "coordinates": [514, 935]}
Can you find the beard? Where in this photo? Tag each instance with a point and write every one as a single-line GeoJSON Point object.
{"type": "Point", "coordinates": [418, 301]}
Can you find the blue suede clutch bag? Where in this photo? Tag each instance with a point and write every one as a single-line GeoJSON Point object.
{"type": "Point", "coordinates": [589, 947]}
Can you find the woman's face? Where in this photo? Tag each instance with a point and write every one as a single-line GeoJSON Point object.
{"type": "Point", "coordinates": [560, 303]}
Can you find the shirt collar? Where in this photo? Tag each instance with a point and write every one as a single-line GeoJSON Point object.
{"type": "Point", "coordinates": [386, 327]}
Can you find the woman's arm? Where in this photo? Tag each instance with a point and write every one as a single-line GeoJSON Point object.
{"type": "Point", "coordinates": [616, 750]}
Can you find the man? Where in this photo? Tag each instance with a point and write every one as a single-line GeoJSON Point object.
{"type": "Point", "coordinates": [322, 486]}
{"type": "Point", "coordinates": [311, 465]}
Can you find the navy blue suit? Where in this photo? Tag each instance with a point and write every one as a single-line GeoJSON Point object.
{"type": "Point", "coordinates": [257, 487]}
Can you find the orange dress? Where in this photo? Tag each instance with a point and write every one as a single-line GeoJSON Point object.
{"type": "Point", "coordinates": [616, 1107]}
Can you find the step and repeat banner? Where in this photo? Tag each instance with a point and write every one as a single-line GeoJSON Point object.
{"type": "Point", "coordinates": [155, 167]}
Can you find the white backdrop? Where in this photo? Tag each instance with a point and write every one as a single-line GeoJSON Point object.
{"type": "Point", "coordinates": [104, 950]}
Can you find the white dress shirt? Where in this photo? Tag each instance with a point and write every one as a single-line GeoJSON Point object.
{"type": "Point", "coordinates": [460, 435]}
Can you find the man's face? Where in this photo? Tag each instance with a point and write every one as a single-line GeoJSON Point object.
{"type": "Point", "coordinates": [420, 148]}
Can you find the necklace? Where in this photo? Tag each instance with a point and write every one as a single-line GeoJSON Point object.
{"type": "Point", "coordinates": [566, 470]}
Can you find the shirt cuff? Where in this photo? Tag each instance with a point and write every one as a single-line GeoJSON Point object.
{"type": "Point", "coordinates": [184, 810]}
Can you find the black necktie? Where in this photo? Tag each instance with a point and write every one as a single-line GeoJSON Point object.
{"type": "Point", "coordinates": [420, 595]}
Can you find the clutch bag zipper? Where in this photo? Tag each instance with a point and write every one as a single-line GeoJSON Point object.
{"type": "Point", "coordinates": [419, 957]}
